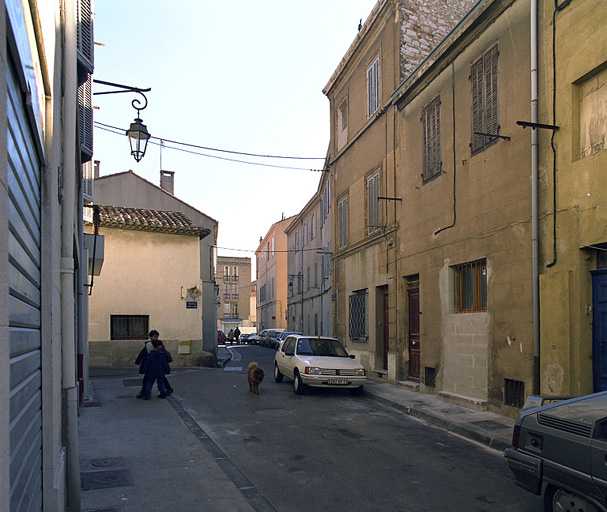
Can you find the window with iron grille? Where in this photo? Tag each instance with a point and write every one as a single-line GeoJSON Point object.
{"type": "Point", "coordinates": [373, 88]}
{"type": "Point", "coordinates": [471, 287]}
{"type": "Point", "coordinates": [358, 315]}
{"type": "Point", "coordinates": [373, 212]}
{"type": "Point", "coordinates": [342, 220]}
{"type": "Point", "coordinates": [485, 122]}
{"type": "Point", "coordinates": [431, 143]}
{"type": "Point", "coordinates": [129, 327]}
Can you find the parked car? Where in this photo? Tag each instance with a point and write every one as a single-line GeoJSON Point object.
{"type": "Point", "coordinates": [221, 337]}
{"type": "Point", "coordinates": [253, 339]}
{"type": "Point", "coordinates": [244, 338]}
{"type": "Point", "coordinates": [268, 337]}
{"type": "Point", "coordinates": [563, 445]}
{"type": "Point", "coordinates": [273, 338]}
{"type": "Point", "coordinates": [262, 336]}
{"type": "Point", "coordinates": [283, 336]}
{"type": "Point", "coordinates": [318, 362]}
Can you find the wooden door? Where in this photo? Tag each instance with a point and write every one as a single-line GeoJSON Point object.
{"type": "Point", "coordinates": [414, 348]}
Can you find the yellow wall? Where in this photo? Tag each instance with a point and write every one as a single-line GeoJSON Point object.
{"type": "Point", "coordinates": [143, 274]}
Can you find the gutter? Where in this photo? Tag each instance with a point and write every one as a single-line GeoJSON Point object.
{"type": "Point", "coordinates": [68, 211]}
{"type": "Point", "coordinates": [534, 198]}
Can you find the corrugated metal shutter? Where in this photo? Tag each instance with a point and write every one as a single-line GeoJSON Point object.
{"type": "Point", "coordinates": [24, 307]}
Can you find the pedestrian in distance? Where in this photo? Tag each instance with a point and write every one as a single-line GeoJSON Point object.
{"type": "Point", "coordinates": [155, 366]}
{"type": "Point", "coordinates": [231, 336]}
{"type": "Point", "coordinates": [237, 335]}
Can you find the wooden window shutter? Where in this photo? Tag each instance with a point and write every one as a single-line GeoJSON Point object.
{"type": "Point", "coordinates": [491, 117]}
{"type": "Point", "coordinates": [476, 77]}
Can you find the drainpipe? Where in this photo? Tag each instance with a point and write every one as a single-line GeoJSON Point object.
{"type": "Point", "coordinates": [68, 211]}
{"type": "Point", "coordinates": [534, 199]}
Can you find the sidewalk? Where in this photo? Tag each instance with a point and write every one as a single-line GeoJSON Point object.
{"type": "Point", "coordinates": [117, 435]}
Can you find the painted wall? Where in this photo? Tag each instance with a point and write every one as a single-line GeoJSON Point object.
{"type": "Point", "coordinates": [577, 165]}
{"type": "Point", "coordinates": [144, 273]}
{"type": "Point", "coordinates": [128, 189]}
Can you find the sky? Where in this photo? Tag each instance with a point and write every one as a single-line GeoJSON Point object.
{"type": "Point", "coordinates": [241, 75]}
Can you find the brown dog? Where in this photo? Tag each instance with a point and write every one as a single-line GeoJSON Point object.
{"type": "Point", "coordinates": [255, 375]}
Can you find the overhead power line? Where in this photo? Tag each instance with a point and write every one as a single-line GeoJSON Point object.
{"type": "Point", "coordinates": [121, 131]}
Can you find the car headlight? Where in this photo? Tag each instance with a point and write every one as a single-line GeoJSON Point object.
{"type": "Point", "coordinates": [312, 370]}
{"type": "Point", "coordinates": [360, 372]}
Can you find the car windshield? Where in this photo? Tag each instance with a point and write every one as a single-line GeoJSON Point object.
{"type": "Point", "coordinates": [320, 347]}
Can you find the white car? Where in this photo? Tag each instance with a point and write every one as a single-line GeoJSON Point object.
{"type": "Point", "coordinates": [318, 362]}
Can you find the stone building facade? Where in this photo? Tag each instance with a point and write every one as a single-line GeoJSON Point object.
{"type": "Point", "coordinates": [233, 277]}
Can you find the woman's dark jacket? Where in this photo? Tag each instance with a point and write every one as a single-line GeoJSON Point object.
{"type": "Point", "coordinates": [155, 364]}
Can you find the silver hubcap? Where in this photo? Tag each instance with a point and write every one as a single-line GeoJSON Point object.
{"type": "Point", "coordinates": [566, 502]}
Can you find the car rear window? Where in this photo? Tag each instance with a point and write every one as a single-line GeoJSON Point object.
{"type": "Point", "coordinates": [320, 347]}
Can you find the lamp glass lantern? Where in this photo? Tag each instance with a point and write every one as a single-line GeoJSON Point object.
{"type": "Point", "coordinates": [138, 138]}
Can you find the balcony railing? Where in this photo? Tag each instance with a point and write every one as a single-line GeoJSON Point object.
{"type": "Point", "coordinates": [231, 279]}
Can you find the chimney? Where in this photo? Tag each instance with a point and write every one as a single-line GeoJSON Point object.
{"type": "Point", "coordinates": [167, 181]}
{"type": "Point", "coordinates": [96, 166]}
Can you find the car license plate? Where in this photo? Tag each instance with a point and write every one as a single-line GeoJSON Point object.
{"type": "Point", "coordinates": [338, 381]}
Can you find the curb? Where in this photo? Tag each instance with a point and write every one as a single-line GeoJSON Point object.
{"type": "Point", "coordinates": [463, 430]}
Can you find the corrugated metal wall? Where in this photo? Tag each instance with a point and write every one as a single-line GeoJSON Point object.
{"type": "Point", "coordinates": [24, 306]}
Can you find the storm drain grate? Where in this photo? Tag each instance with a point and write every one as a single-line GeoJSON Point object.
{"type": "Point", "coordinates": [131, 382]}
{"type": "Point", "coordinates": [91, 404]}
{"type": "Point", "coordinates": [490, 424]}
{"type": "Point", "coordinates": [106, 479]}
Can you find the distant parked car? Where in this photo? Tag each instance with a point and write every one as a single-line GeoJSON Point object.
{"type": "Point", "coordinates": [268, 337]}
{"type": "Point", "coordinates": [319, 362]}
{"type": "Point", "coordinates": [283, 336]}
{"type": "Point", "coordinates": [262, 336]}
{"type": "Point", "coordinates": [563, 445]}
{"type": "Point", "coordinates": [253, 339]}
{"type": "Point", "coordinates": [244, 338]}
{"type": "Point", "coordinates": [221, 337]}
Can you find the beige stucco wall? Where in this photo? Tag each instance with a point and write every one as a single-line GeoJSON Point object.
{"type": "Point", "coordinates": [478, 208]}
{"type": "Point", "coordinates": [566, 299]}
{"type": "Point", "coordinates": [144, 274]}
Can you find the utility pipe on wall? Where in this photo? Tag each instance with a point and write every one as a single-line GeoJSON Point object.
{"type": "Point", "coordinates": [534, 198]}
{"type": "Point", "coordinates": [68, 211]}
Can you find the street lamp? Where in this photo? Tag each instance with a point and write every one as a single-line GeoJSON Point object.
{"type": "Point", "coordinates": [137, 133]}
{"type": "Point", "coordinates": [138, 138]}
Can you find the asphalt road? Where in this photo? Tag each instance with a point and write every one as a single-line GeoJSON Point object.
{"type": "Point", "coordinates": [329, 450]}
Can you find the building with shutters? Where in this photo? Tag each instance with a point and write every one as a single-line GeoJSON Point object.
{"type": "Point", "coordinates": [271, 277]}
{"type": "Point", "coordinates": [46, 64]}
{"type": "Point", "coordinates": [235, 291]}
{"type": "Point", "coordinates": [432, 259]}
{"type": "Point", "coordinates": [310, 308]}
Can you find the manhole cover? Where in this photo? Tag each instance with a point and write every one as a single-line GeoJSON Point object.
{"type": "Point", "coordinates": [91, 404]}
{"type": "Point", "coordinates": [131, 382]}
{"type": "Point", "coordinates": [274, 412]}
{"type": "Point", "coordinates": [106, 479]}
{"type": "Point", "coordinates": [490, 424]}
{"type": "Point", "coordinates": [107, 462]}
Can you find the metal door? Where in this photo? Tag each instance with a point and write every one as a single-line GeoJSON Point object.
{"type": "Point", "coordinates": [599, 329]}
{"type": "Point", "coordinates": [24, 305]}
{"type": "Point", "coordinates": [414, 348]}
